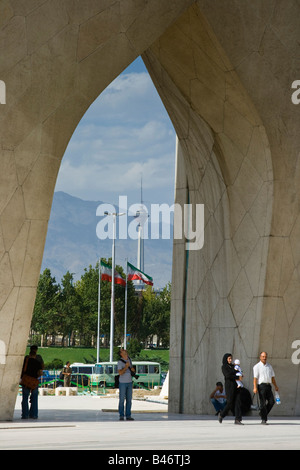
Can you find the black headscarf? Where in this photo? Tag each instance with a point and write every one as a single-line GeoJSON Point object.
{"type": "Point", "coordinates": [225, 357]}
{"type": "Point", "coordinates": [228, 372]}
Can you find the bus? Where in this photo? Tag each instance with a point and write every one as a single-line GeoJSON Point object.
{"type": "Point", "coordinates": [148, 373]}
{"type": "Point", "coordinates": [84, 375]}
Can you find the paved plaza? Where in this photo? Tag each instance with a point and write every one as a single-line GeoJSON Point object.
{"type": "Point", "coordinates": [228, 76]}
{"type": "Point", "coordinates": [91, 423]}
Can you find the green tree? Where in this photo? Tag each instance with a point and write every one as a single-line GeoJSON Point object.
{"type": "Point", "coordinates": [87, 289]}
{"type": "Point", "coordinates": [134, 348]}
{"type": "Point", "coordinates": [156, 313]}
{"type": "Point", "coordinates": [71, 309]}
{"type": "Point", "coordinates": [46, 305]}
{"type": "Point", "coordinates": [68, 316]}
{"type": "Point", "coordinates": [119, 318]}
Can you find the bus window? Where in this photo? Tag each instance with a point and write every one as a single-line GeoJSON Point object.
{"type": "Point", "coordinates": [109, 369]}
{"type": "Point", "coordinates": [142, 369]}
{"type": "Point", "coordinates": [99, 370]}
{"type": "Point", "coordinates": [153, 369]}
{"type": "Point", "coordinates": [85, 369]}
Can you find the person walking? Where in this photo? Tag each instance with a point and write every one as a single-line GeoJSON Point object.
{"type": "Point", "coordinates": [233, 399]}
{"type": "Point", "coordinates": [263, 378]}
{"type": "Point", "coordinates": [125, 384]}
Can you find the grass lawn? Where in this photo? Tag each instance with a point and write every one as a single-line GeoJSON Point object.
{"type": "Point", "coordinates": [89, 355]}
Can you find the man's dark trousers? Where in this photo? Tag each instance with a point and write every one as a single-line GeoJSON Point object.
{"type": "Point", "coordinates": [266, 398]}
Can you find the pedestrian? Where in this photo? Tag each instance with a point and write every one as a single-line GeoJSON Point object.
{"type": "Point", "coordinates": [218, 398]}
{"type": "Point", "coordinates": [263, 378]}
{"type": "Point", "coordinates": [31, 370]}
{"type": "Point", "coordinates": [38, 356]}
{"type": "Point", "coordinates": [67, 371]}
{"type": "Point", "coordinates": [125, 370]}
{"type": "Point", "coordinates": [233, 399]}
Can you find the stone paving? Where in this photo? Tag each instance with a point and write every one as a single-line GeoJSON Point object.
{"type": "Point", "coordinates": [91, 423]}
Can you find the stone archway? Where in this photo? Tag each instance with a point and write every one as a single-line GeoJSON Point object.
{"type": "Point", "coordinates": [217, 69]}
{"type": "Point", "coordinates": [224, 162]}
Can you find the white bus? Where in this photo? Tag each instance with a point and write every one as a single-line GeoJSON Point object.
{"type": "Point", "coordinates": [84, 374]}
{"type": "Point", "coordinates": [149, 373]}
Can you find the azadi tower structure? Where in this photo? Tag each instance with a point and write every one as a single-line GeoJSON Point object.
{"type": "Point", "coordinates": [225, 71]}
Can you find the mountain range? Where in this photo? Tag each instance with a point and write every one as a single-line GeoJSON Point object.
{"type": "Point", "coordinates": [72, 243]}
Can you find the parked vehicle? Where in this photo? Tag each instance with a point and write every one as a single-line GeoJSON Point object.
{"type": "Point", "coordinates": [148, 374]}
{"type": "Point", "coordinates": [47, 377]}
{"type": "Point", "coordinates": [84, 374]}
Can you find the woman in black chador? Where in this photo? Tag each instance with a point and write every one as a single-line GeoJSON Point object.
{"type": "Point", "coordinates": [231, 390]}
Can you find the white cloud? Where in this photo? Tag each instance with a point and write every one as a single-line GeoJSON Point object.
{"type": "Point", "coordinates": [126, 133]}
{"type": "Point", "coordinates": [108, 180]}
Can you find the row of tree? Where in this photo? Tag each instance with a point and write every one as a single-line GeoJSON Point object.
{"type": "Point", "coordinates": [69, 310]}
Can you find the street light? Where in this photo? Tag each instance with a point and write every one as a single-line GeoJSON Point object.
{"type": "Point", "coordinates": [112, 303]}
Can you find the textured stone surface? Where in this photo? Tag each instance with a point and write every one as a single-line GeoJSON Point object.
{"type": "Point", "coordinates": [55, 59]}
{"type": "Point", "coordinates": [224, 73]}
{"type": "Point", "coordinates": [230, 102]}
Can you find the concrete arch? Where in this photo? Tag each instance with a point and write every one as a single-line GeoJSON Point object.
{"type": "Point", "coordinates": [213, 66]}
{"type": "Point", "coordinates": [224, 162]}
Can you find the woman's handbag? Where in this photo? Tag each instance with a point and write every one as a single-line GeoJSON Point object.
{"type": "Point", "coordinates": [28, 381]}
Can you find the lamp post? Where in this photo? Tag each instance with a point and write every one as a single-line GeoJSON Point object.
{"type": "Point", "coordinates": [98, 322]}
{"type": "Point", "coordinates": [112, 302]}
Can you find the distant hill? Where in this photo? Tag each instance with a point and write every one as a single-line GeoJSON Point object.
{"type": "Point", "coordinates": [72, 243]}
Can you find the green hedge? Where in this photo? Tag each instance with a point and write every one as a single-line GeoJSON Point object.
{"type": "Point", "coordinates": [56, 358]}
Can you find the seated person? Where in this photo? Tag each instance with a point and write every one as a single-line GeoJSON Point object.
{"type": "Point", "coordinates": [218, 397]}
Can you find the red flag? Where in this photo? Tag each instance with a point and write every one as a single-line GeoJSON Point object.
{"type": "Point", "coordinates": [106, 275]}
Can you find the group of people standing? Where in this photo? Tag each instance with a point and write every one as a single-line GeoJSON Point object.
{"type": "Point", "coordinates": [263, 374]}
{"type": "Point", "coordinates": [263, 378]}
{"type": "Point", "coordinates": [33, 368]}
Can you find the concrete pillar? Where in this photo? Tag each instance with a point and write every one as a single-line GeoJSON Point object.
{"type": "Point", "coordinates": [224, 72]}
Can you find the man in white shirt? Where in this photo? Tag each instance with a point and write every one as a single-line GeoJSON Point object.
{"type": "Point", "coordinates": [264, 377]}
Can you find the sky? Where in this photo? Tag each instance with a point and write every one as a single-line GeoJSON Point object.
{"type": "Point", "coordinates": [125, 136]}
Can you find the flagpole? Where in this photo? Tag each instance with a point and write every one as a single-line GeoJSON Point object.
{"type": "Point", "coordinates": [98, 325]}
{"type": "Point", "coordinates": [125, 320]}
{"type": "Point", "coordinates": [112, 303]}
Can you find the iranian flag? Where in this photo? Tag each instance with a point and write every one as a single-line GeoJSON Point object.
{"type": "Point", "coordinates": [134, 274]}
{"type": "Point", "coordinates": [106, 275]}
